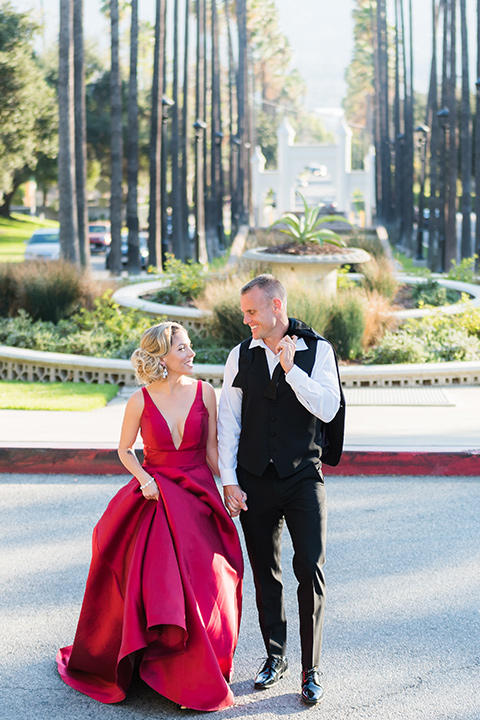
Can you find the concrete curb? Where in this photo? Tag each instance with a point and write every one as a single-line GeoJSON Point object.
{"type": "Point", "coordinates": [100, 461]}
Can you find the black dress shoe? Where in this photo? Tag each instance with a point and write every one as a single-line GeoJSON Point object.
{"type": "Point", "coordinates": [272, 671]}
{"type": "Point", "coordinates": [312, 691]}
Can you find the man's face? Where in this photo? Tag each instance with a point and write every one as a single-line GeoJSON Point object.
{"type": "Point", "coordinates": [260, 313]}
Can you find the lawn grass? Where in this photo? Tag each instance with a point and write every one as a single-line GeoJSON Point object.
{"type": "Point", "coordinates": [16, 395]}
{"type": "Point", "coordinates": [15, 231]}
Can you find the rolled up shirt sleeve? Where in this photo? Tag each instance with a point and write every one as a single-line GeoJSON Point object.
{"type": "Point", "coordinates": [319, 393]}
{"type": "Point", "coordinates": [229, 421]}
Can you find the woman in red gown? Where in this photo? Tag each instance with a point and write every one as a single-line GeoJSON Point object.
{"type": "Point", "coordinates": [164, 588]}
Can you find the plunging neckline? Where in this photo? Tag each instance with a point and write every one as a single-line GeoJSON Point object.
{"type": "Point", "coordinates": [165, 419]}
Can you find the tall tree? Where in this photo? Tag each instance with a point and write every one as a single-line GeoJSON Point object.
{"type": "Point", "coordinates": [477, 147]}
{"type": "Point", "coordinates": [66, 138]}
{"type": "Point", "coordinates": [28, 113]}
{"type": "Point", "coordinates": [177, 237]}
{"type": "Point", "coordinates": [80, 133]}
{"type": "Point", "coordinates": [452, 149]}
{"type": "Point", "coordinates": [116, 146]}
{"type": "Point", "coordinates": [432, 121]}
{"type": "Point", "coordinates": [154, 214]}
{"type": "Point", "coordinates": [465, 141]}
{"type": "Point", "coordinates": [132, 148]}
{"type": "Point", "coordinates": [382, 114]}
{"type": "Point", "coordinates": [242, 120]}
{"type": "Point", "coordinates": [184, 136]}
{"type": "Point", "coordinates": [201, 254]}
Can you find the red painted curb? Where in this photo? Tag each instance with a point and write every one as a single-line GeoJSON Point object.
{"type": "Point", "coordinates": [409, 462]}
{"type": "Point", "coordinates": [81, 461]}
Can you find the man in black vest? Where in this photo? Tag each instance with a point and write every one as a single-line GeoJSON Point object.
{"type": "Point", "coordinates": [279, 388]}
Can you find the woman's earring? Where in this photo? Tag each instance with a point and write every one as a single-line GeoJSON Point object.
{"type": "Point", "coordinates": [164, 372]}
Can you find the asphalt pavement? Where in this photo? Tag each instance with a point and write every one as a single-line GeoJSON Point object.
{"type": "Point", "coordinates": [402, 623]}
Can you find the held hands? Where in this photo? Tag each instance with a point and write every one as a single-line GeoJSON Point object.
{"type": "Point", "coordinates": [286, 348]}
{"type": "Point", "coordinates": [150, 490]}
{"type": "Point", "coordinates": [235, 499]}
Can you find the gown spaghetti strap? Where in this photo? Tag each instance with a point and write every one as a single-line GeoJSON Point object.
{"type": "Point", "coordinates": [164, 587]}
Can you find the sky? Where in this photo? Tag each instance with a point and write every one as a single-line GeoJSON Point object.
{"type": "Point", "coordinates": [319, 31]}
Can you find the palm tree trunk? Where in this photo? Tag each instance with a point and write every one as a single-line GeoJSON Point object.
{"type": "Point", "coordinates": [398, 184]}
{"type": "Point", "coordinates": [66, 134]}
{"type": "Point", "coordinates": [154, 212]}
{"type": "Point", "coordinates": [184, 140]}
{"type": "Point", "coordinates": [177, 240]}
{"type": "Point", "coordinates": [201, 254]}
{"type": "Point", "coordinates": [233, 147]}
{"type": "Point", "coordinates": [477, 148]}
{"type": "Point", "coordinates": [432, 122]}
{"type": "Point", "coordinates": [80, 134]}
{"type": "Point", "coordinates": [465, 142]}
{"type": "Point", "coordinates": [116, 144]}
{"type": "Point", "coordinates": [451, 224]}
{"type": "Point", "coordinates": [132, 149]}
{"type": "Point", "coordinates": [242, 105]}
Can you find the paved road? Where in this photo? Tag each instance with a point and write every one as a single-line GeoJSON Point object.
{"type": "Point", "coordinates": [402, 626]}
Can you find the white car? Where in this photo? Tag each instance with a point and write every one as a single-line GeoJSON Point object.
{"type": "Point", "coordinates": [43, 245]}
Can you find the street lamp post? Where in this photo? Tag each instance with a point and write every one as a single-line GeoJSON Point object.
{"type": "Point", "coordinates": [199, 200]}
{"type": "Point", "coordinates": [167, 103]}
{"type": "Point", "coordinates": [423, 131]}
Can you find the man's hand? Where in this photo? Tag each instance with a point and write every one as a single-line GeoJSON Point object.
{"type": "Point", "coordinates": [286, 348]}
{"type": "Point", "coordinates": [235, 499]}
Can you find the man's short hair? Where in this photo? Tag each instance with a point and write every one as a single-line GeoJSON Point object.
{"type": "Point", "coordinates": [270, 285]}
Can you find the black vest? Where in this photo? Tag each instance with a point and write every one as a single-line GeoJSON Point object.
{"type": "Point", "coordinates": [275, 425]}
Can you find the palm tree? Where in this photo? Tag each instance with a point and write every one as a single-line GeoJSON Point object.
{"type": "Point", "coordinates": [66, 133]}
{"type": "Point", "coordinates": [132, 148]}
{"type": "Point", "coordinates": [451, 196]}
{"type": "Point", "coordinates": [201, 254]}
{"type": "Point", "coordinates": [184, 200]}
{"type": "Point", "coordinates": [80, 133]}
{"type": "Point", "coordinates": [177, 240]}
{"type": "Point", "coordinates": [477, 147]}
{"type": "Point", "coordinates": [465, 141]}
{"type": "Point", "coordinates": [154, 214]}
{"type": "Point", "coordinates": [432, 121]}
{"type": "Point", "coordinates": [242, 106]}
{"type": "Point", "coordinates": [116, 144]}
{"type": "Point", "coordinates": [233, 147]}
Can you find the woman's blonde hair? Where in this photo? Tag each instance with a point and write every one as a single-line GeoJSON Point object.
{"type": "Point", "coordinates": [155, 343]}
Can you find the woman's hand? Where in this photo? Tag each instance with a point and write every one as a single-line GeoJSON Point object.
{"type": "Point", "coordinates": [150, 490]}
{"type": "Point", "coordinates": [235, 499]}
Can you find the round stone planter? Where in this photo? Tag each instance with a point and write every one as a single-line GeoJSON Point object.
{"type": "Point", "coordinates": [320, 269]}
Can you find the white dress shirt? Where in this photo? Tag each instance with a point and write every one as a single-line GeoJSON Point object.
{"type": "Point", "coordinates": [319, 393]}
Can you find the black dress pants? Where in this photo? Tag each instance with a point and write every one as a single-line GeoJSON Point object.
{"type": "Point", "coordinates": [300, 501]}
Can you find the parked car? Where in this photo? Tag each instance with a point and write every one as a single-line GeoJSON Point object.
{"type": "Point", "coordinates": [99, 236]}
{"type": "Point", "coordinates": [143, 243]}
{"type": "Point", "coordinates": [44, 244]}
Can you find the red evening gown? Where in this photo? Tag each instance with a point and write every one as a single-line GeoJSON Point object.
{"type": "Point", "coordinates": [164, 586]}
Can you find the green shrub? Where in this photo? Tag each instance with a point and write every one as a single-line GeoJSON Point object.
{"type": "Point", "coordinates": [50, 291]}
{"type": "Point", "coordinates": [106, 331]}
{"type": "Point", "coordinates": [465, 272]}
{"type": "Point", "coordinates": [346, 324]}
{"type": "Point", "coordinates": [186, 282]}
{"type": "Point", "coordinates": [226, 324]}
{"type": "Point", "coordinates": [8, 289]}
{"type": "Point", "coordinates": [397, 348]}
{"type": "Point", "coordinates": [432, 293]}
{"type": "Point", "coordinates": [378, 277]}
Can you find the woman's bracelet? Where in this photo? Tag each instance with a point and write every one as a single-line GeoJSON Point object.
{"type": "Point", "coordinates": [142, 487]}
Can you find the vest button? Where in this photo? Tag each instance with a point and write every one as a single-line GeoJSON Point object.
{"type": "Point", "coordinates": [272, 419]}
{"type": "Point", "coordinates": [272, 434]}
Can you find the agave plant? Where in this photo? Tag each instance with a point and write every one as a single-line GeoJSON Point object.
{"type": "Point", "coordinates": [309, 227]}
